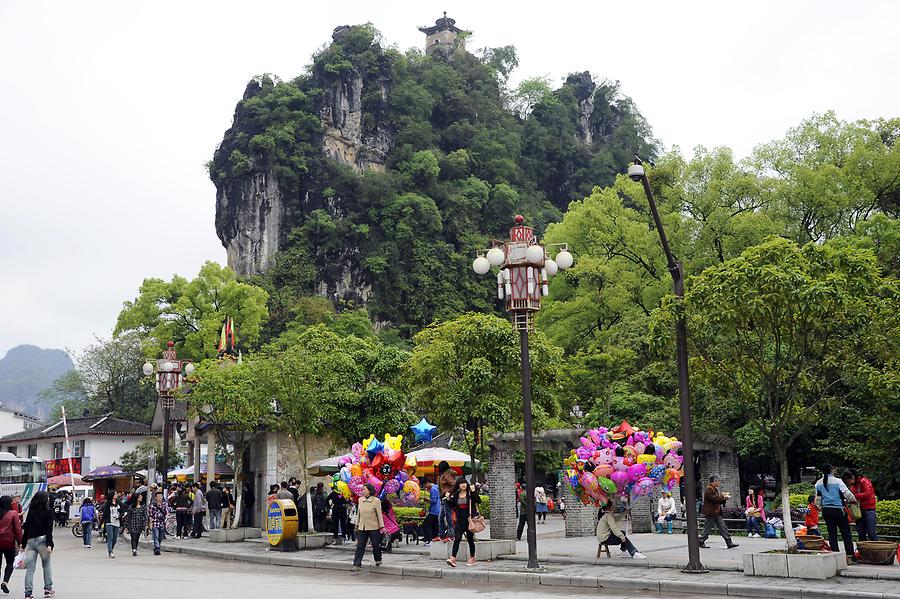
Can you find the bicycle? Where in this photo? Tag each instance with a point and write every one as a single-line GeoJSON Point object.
{"type": "Point", "coordinates": [172, 524]}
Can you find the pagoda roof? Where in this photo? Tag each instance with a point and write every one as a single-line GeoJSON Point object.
{"type": "Point", "coordinates": [442, 24]}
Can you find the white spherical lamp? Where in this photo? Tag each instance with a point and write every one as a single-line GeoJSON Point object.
{"type": "Point", "coordinates": [564, 260]}
{"type": "Point", "coordinates": [481, 265]}
{"type": "Point", "coordinates": [534, 254]}
{"type": "Point", "coordinates": [495, 256]}
{"type": "Point", "coordinates": [189, 368]}
{"type": "Point", "coordinates": [147, 369]}
{"type": "Point", "coordinates": [550, 267]}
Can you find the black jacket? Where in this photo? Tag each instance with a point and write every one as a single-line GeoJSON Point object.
{"type": "Point", "coordinates": [37, 524]}
{"type": "Point", "coordinates": [214, 499]}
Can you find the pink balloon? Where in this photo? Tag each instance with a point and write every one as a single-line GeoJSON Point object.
{"type": "Point", "coordinates": [620, 478]}
{"type": "Point", "coordinates": [643, 487]}
{"type": "Point", "coordinates": [636, 472]}
{"type": "Point", "coordinates": [619, 464]}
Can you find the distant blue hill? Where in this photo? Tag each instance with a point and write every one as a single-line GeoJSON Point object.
{"type": "Point", "coordinates": [27, 370]}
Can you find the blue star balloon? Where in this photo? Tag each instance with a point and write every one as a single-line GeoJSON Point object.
{"type": "Point", "coordinates": [375, 447]}
{"type": "Point", "coordinates": [423, 431]}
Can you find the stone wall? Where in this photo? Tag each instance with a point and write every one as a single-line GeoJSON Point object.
{"type": "Point", "coordinates": [581, 520]}
{"type": "Point", "coordinates": [725, 464]}
{"type": "Point", "coordinates": [501, 479]}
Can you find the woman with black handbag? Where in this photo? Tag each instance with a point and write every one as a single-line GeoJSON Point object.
{"type": "Point", "coordinates": [466, 520]}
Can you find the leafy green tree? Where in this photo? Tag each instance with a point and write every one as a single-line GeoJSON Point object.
{"type": "Point", "coordinates": [236, 401]}
{"type": "Point", "coordinates": [191, 313]}
{"type": "Point", "coordinates": [466, 373]}
{"type": "Point", "coordinates": [785, 333]}
{"type": "Point", "coordinates": [107, 379]}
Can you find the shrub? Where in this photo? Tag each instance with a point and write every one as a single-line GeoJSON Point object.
{"type": "Point", "coordinates": [806, 489]}
{"type": "Point", "coordinates": [797, 500]}
{"type": "Point", "coordinates": [888, 511]}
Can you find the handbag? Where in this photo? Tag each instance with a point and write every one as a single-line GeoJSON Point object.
{"type": "Point", "coordinates": [476, 523]}
{"type": "Point", "coordinates": [856, 511]}
{"type": "Point", "coordinates": [19, 561]}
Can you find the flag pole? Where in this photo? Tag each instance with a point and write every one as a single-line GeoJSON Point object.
{"type": "Point", "coordinates": [68, 451]}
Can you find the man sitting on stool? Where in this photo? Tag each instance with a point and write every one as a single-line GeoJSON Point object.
{"type": "Point", "coordinates": [609, 533]}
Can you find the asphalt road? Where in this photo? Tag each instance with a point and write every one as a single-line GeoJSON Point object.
{"type": "Point", "coordinates": [89, 573]}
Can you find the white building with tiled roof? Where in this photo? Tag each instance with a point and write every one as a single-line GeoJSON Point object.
{"type": "Point", "coordinates": [95, 441]}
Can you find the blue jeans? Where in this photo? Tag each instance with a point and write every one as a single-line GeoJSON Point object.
{"type": "Point", "coordinates": [753, 524]}
{"type": "Point", "coordinates": [865, 526]}
{"type": "Point", "coordinates": [215, 518]}
{"type": "Point", "coordinates": [158, 533]}
{"type": "Point", "coordinates": [112, 535]}
{"type": "Point", "coordinates": [626, 545]}
{"type": "Point", "coordinates": [87, 528]}
{"type": "Point", "coordinates": [445, 521]}
{"type": "Point", "coordinates": [659, 525]}
{"type": "Point", "coordinates": [37, 547]}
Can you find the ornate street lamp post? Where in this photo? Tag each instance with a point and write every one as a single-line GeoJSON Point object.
{"type": "Point", "coordinates": [170, 373]}
{"type": "Point", "coordinates": [525, 269]}
{"type": "Point", "coordinates": [637, 173]}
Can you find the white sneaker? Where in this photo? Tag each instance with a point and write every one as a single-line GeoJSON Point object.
{"type": "Point", "coordinates": [624, 554]}
{"type": "Point", "coordinates": [639, 555]}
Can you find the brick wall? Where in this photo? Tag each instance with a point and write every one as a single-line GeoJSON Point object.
{"type": "Point", "coordinates": [581, 520]}
{"type": "Point", "coordinates": [501, 478]}
{"type": "Point", "coordinates": [725, 465]}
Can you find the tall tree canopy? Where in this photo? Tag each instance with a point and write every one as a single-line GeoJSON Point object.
{"type": "Point", "coordinates": [191, 313]}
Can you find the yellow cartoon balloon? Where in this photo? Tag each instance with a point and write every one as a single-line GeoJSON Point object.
{"type": "Point", "coordinates": [367, 441]}
{"type": "Point", "coordinates": [392, 441]}
{"type": "Point", "coordinates": [411, 463]}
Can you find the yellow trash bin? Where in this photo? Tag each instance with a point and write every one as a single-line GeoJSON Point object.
{"type": "Point", "coordinates": [281, 525]}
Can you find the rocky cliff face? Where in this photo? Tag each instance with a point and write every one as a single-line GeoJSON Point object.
{"type": "Point", "coordinates": [253, 213]}
{"type": "Point", "coordinates": [249, 217]}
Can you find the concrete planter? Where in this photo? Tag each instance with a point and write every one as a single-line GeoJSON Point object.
{"type": "Point", "coordinates": [805, 564]}
{"type": "Point", "coordinates": [228, 535]}
{"type": "Point", "coordinates": [484, 550]}
{"type": "Point", "coordinates": [306, 541]}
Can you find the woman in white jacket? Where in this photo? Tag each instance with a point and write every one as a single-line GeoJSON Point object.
{"type": "Point", "coordinates": [665, 512]}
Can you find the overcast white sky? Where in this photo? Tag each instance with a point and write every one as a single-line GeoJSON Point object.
{"type": "Point", "coordinates": [108, 110]}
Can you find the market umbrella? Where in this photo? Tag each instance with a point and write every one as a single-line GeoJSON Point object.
{"type": "Point", "coordinates": [427, 459]}
{"type": "Point", "coordinates": [64, 480]}
{"type": "Point", "coordinates": [326, 466]}
{"type": "Point", "coordinates": [106, 472]}
{"type": "Point", "coordinates": [223, 470]}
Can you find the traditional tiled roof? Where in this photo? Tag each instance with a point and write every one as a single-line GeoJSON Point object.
{"type": "Point", "coordinates": [90, 425]}
{"type": "Point", "coordinates": [444, 23]}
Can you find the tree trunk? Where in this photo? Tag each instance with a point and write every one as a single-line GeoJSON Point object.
{"type": "Point", "coordinates": [786, 498]}
{"type": "Point", "coordinates": [238, 488]}
{"type": "Point", "coordinates": [304, 463]}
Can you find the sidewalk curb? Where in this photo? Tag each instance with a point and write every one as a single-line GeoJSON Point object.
{"type": "Point", "coordinates": [529, 578]}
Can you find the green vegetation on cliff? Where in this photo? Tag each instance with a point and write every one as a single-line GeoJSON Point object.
{"type": "Point", "coordinates": [444, 161]}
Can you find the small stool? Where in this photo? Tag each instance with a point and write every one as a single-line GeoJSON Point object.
{"type": "Point", "coordinates": [603, 548]}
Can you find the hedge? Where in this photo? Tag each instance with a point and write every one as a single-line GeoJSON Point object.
{"type": "Point", "coordinates": [418, 513]}
{"type": "Point", "coordinates": [888, 511]}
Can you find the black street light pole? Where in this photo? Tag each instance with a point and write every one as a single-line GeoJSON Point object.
{"type": "Point", "coordinates": [529, 449]}
{"type": "Point", "coordinates": [637, 173]}
{"type": "Point", "coordinates": [170, 373]}
{"type": "Point", "coordinates": [525, 269]}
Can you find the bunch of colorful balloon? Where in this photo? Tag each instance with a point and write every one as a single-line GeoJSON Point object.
{"type": "Point", "coordinates": [381, 464]}
{"type": "Point", "coordinates": [622, 461]}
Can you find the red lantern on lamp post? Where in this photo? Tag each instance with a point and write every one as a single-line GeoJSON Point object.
{"type": "Point", "coordinates": [525, 270]}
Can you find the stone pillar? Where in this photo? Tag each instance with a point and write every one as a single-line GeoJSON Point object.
{"type": "Point", "coordinates": [501, 479]}
{"type": "Point", "coordinates": [190, 453]}
{"type": "Point", "coordinates": [196, 459]}
{"type": "Point", "coordinates": [210, 457]}
{"type": "Point", "coordinates": [643, 510]}
{"type": "Point", "coordinates": [581, 520]}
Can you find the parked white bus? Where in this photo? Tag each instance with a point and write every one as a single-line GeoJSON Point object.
{"type": "Point", "coordinates": [22, 476]}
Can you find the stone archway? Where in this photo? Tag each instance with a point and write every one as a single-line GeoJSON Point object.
{"type": "Point", "coordinates": [501, 476]}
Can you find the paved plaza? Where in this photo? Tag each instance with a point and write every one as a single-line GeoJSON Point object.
{"type": "Point", "coordinates": [572, 564]}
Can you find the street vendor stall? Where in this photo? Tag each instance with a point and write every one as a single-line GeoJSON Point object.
{"type": "Point", "coordinates": [427, 461]}
{"type": "Point", "coordinates": [224, 472]}
{"type": "Point", "coordinates": [109, 479]}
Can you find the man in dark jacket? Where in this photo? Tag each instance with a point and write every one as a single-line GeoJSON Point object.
{"type": "Point", "coordinates": [214, 503]}
{"type": "Point", "coordinates": [713, 500]}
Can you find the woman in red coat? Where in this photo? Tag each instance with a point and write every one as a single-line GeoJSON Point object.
{"type": "Point", "coordinates": [862, 489]}
{"type": "Point", "coordinates": [10, 537]}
